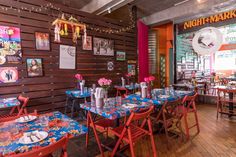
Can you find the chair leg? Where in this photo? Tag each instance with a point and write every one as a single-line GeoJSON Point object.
{"type": "Point", "coordinates": [96, 135]}
{"type": "Point", "coordinates": [118, 143]}
{"type": "Point", "coordinates": [152, 139]}
{"type": "Point", "coordinates": [131, 143]}
{"type": "Point", "coordinates": [186, 125]}
{"type": "Point", "coordinates": [72, 108]}
{"type": "Point", "coordinates": [197, 123]}
{"type": "Point", "coordinates": [87, 134]}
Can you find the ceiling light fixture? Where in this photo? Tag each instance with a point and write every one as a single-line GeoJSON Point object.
{"type": "Point", "coordinates": [182, 2]}
{"type": "Point", "coordinates": [110, 7]}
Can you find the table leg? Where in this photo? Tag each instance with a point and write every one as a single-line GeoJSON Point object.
{"type": "Point", "coordinates": [231, 105]}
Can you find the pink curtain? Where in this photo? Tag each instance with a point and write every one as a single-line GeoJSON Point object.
{"type": "Point", "coordinates": [143, 50]}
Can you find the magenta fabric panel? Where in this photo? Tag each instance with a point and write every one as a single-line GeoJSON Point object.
{"type": "Point", "coordinates": [143, 50]}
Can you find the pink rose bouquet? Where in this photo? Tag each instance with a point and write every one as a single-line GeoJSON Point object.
{"type": "Point", "coordinates": [104, 83]}
{"type": "Point", "coordinates": [149, 79]}
{"type": "Point", "coordinates": [79, 77]}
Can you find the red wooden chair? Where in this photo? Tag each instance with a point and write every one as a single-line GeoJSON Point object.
{"type": "Point", "coordinates": [131, 132]}
{"type": "Point", "coordinates": [13, 117]}
{"type": "Point", "coordinates": [101, 125]}
{"type": "Point", "coordinates": [170, 116]}
{"type": "Point", "coordinates": [226, 101]}
{"type": "Point", "coordinates": [20, 109]}
{"type": "Point", "coordinates": [119, 91]}
{"type": "Point", "coordinates": [46, 151]}
{"type": "Point", "coordinates": [190, 107]}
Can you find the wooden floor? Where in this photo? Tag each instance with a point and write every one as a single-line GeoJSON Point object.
{"type": "Point", "coordinates": [217, 138]}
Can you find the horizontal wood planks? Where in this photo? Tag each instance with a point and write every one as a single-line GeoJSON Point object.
{"type": "Point", "coordinates": [47, 93]}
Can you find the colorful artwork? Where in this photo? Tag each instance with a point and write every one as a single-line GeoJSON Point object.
{"type": "Point", "coordinates": [103, 47]}
{"type": "Point", "coordinates": [87, 44]}
{"type": "Point", "coordinates": [10, 45]}
{"type": "Point", "coordinates": [131, 69]}
{"type": "Point", "coordinates": [42, 41]}
{"type": "Point", "coordinates": [120, 56]}
{"type": "Point", "coordinates": [57, 126]}
{"type": "Point", "coordinates": [34, 67]}
{"type": "Point", "coordinates": [8, 74]}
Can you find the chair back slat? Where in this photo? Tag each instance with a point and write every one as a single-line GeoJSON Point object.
{"type": "Point", "coordinates": [44, 151]}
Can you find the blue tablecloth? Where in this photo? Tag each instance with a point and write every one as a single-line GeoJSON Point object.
{"type": "Point", "coordinates": [9, 102]}
{"type": "Point", "coordinates": [77, 94]}
{"type": "Point", "coordinates": [161, 98]}
{"type": "Point", "coordinates": [116, 110]}
{"type": "Point", "coordinates": [59, 125]}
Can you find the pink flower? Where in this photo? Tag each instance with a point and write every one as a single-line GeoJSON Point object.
{"type": "Point", "coordinates": [152, 78]}
{"type": "Point", "coordinates": [79, 77]}
{"type": "Point", "coordinates": [104, 82]}
{"type": "Point", "coordinates": [128, 75]}
{"type": "Point", "coordinates": [146, 79]}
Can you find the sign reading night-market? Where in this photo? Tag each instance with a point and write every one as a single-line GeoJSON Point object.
{"type": "Point", "coordinates": [211, 19]}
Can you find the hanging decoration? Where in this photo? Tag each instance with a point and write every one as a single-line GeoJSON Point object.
{"type": "Point", "coordinates": [61, 28]}
{"type": "Point", "coordinates": [50, 6]}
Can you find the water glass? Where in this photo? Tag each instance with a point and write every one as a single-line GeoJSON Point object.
{"type": "Point", "coordinates": [85, 90]}
{"type": "Point", "coordinates": [44, 121]}
{"type": "Point", "coordinates": [118, 99]}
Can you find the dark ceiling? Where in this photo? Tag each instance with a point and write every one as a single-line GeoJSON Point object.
{"type": "Point", "coordinates": [72, 3]}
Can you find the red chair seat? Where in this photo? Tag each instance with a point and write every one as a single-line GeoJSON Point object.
{"type": "Point", "coordinates": [104, 123]}
{"type": "Point", "coordinates": [136, 132]}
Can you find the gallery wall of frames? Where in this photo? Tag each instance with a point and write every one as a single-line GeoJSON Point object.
{"type": "Point", "coordinates": [32, 64]}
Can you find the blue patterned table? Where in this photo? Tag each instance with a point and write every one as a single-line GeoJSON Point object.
{"type": "Point", "coordinates": [72, 96]}
{"type": "Point", "coordinates": [9, 102]}
{"type": "Point", "coordinates": [115, 110]}
{"type": "Point", "coordinates": [77, 94]}
{"type": "Point", "coordinates": [161, 97]}
{"type": "Point", "coordinates": [59, 125]}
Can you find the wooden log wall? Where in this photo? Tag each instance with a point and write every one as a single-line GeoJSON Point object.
{"type": "Point", "coordinates": [47, 93]}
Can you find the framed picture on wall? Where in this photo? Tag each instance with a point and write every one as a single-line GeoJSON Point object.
{"type": "Point", "coordinates": [120, 56]}
{"type": "Point", "coordinates": [10, 45]}
{"type": "Point", "coordinates": [104, 47]}
{"type": "Point", "coordinates": [42, 41]}
{"type": "Point", "coordinates": [87, 43]}
{"type": "Point", "coordinates": [67, 57]}
{"type": "Point", "coordinates": [131, 69]}
{"type": "Point", "coordinates": [8, 74]}
{"type": "Point", "coordinates": [34, 67]}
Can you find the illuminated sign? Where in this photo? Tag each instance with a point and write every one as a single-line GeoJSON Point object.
{"type": "Point", "coordinates": [211, 19]}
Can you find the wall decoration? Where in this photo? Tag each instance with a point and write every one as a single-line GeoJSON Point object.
{"type": "Point", "coordinates": [207, 40]}
{"type": "Point", "coordinates": [8, 74]}
{"type": "Point", "coordinates": [103, 47]}
{"type": "Point", "coordinates": [61, 28]}
{"type": "Point", "coordinates": [42, 41]}
{"type": "Point", "coordinates": [120, 56]}
{"type": "Point", "coordinates": [131, 69]}
{"type": "Point", "coordinates": [131, 61]}
{"type": "Point", "coordinates": [67, 57]}
{"type": "Point", "coordinates": [34, 67]}
{"type": "Point", "coordinates": [10, 45]}
{"type": "Point", "coordinates": [87, 43]}
{"type": "Point", "coordinates": [110, 66]}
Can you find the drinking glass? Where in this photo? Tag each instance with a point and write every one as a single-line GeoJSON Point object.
{"type": "Point", "coordinates": [85, 90]}
{"type": "Point", "coordinates": [44, 121]}
{"type": "Point", "coordinates": [118, 100]}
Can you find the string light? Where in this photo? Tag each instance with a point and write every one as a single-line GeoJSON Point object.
{"type": "Point", "coordinates": [50, 6]}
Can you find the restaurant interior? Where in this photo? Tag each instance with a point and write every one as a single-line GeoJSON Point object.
{"type": "Point", "coordinates": [110, 78]}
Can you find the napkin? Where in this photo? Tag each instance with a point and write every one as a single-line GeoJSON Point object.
{"type": "Point", "coordinates": [99, 92]}
{"type": "Point", "coordinates": [143, 91]}
{"type": "Point", "coordinates": [122, 82]}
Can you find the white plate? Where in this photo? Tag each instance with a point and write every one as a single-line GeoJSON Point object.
{"type": "Point", "coordinates": [163, 96]}
{"type": "Point", "coordinates": [25, 119]}
{"type": "Point", "coordinates": [2, 60]}
{"type": "Point", "coordinates": [129, 105]}
{"type": "Point", "coordinates": [25, 139]}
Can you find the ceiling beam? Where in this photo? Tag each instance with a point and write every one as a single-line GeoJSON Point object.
{"type": "Point", "coordinates": [185, 11]}
{"type": "Point", "coordinates": [95, 5]}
